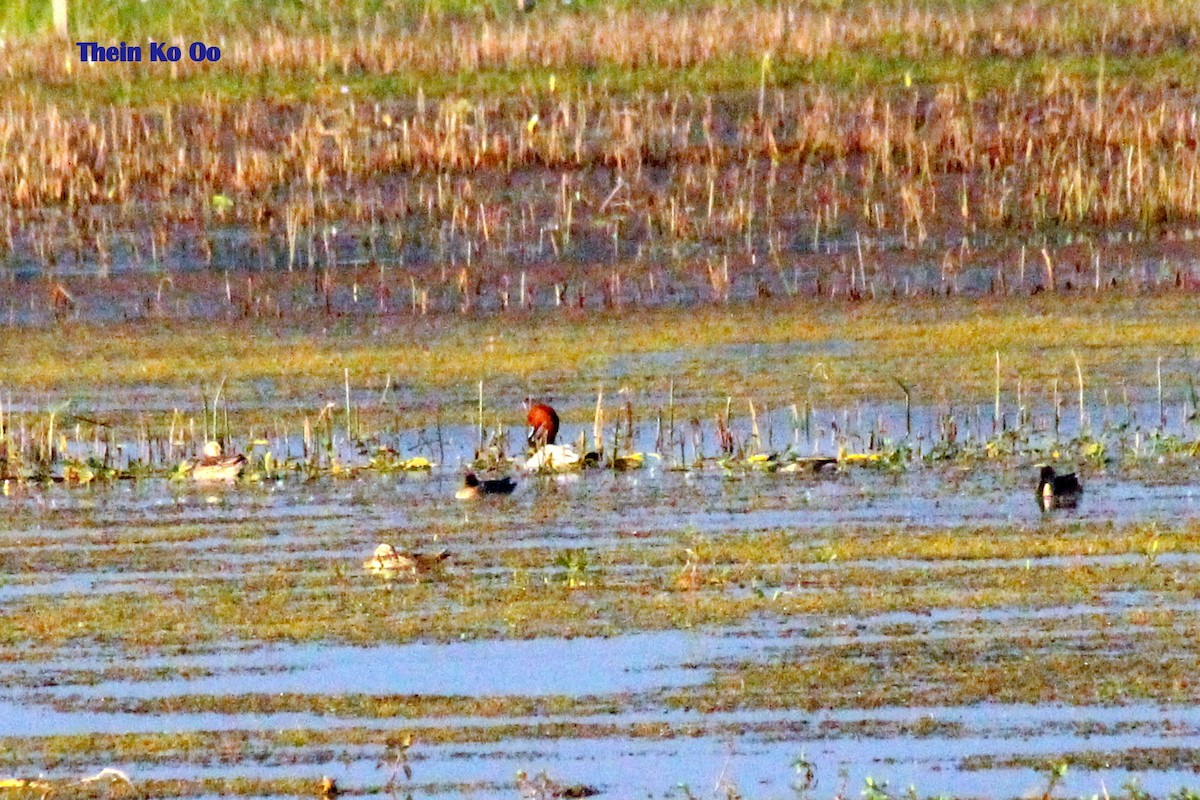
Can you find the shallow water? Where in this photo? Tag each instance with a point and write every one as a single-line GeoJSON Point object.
{"type": "Point", "coordinates": [62, 543]}
{"type": "Point", "coordinates": [594, 506]}
{"type": "Point", "coordinates": [632, 663]}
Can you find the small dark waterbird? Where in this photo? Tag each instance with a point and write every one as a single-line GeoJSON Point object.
{"type": "Point", "coordinates": [473, 487]}
{"type": "Point", "coordinates": [543, 423]}
{"type": "Point", "coordinates": [1058, 491]}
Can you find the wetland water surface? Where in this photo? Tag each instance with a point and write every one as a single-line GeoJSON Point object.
{"type": "Point", "coordinates": [636, 631]}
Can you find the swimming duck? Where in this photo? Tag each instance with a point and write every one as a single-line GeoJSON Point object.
{"type": "Point", "coordinates": [1058, 491]}
{"type": "Point", "coordinates": [812, 464]}
{"type": "Point", "coordinates": [543, 423]}
{"type": "Point", "coordinates": [473, 487]}
{"type": "Point", "coordinates": [214, 466]}
{"type": "Point", "coordinates": [389, 563]}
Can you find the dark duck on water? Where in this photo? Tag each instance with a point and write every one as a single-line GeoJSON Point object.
{"type": "Point", "coordinates": [1058, 491]}
{"type": "Point", "coordinates": [473, 487]}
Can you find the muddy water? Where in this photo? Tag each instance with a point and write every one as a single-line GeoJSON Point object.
{"type": "Point", "coordinates": [328, 524]}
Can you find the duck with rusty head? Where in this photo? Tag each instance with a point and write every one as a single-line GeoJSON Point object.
{"type": "Point", "coordinates": [543, 423]}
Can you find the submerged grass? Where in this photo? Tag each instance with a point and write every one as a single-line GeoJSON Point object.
{"type": "Point", "coordinates": [522, 592]}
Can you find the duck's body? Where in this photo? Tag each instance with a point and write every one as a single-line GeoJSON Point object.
{"type": "Point", "coordinates": [389, 563]}
{"type": "Point", "coordinates": [214, 466]}
{"type": "Point", "coordinates": [1058, 491]}
{"type": "Point", "coordinates": [811, 464]}
{"type": "Point", "coordinates": [543, 424]}
{"type": "Point", "coordinates": [554, 458]}
{"type": "Point", "coordinates": [473, 487]}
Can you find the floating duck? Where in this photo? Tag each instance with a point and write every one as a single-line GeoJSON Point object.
{"type": "Point", "coordinates": [1058, 491]}
{"type": "Point", "coordinates": [812, 464]}
{"type": "Point", "coordinates": [389, 563]}
{"type": "Point", "coordinates": [554, 458]}
{"type": "Point", "coordinates": [543, 423]}
{"type": "Point", "coordinates": [214, 466]}
{"type": "Point", "coordinates": [473, 487]}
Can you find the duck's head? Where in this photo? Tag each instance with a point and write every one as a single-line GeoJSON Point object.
{"type": "Point", "coordinates": [543, 423]}
{"type": "Point", "coordinates": [470, 480]}
{"type": "Point", "coordinates": [212, 449]}
{"type": "Point", "coordinates": [1047, 472]}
